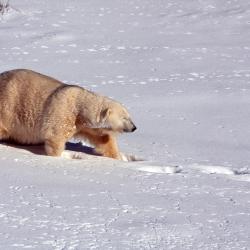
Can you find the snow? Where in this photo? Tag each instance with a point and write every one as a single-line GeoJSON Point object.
{"type": "Point", "coordinates": [182, 69]}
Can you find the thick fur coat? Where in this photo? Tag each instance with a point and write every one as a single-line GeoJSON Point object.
{"type": "Point", "coordinates": [35, 108]}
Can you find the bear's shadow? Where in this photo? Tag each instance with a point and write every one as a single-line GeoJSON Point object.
{"type": "Point", "coordinates": [39, 148]}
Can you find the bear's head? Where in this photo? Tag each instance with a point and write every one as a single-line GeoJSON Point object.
{"type": "Point", "coordinates": [115, 117]}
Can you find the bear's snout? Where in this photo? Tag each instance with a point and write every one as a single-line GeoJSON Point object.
{"type": "Point", "coordinates": [129, 127]}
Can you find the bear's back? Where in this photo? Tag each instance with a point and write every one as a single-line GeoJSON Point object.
{"type": "Point", "coordinates": [24, 79]}
{"type": "Point", "coordinates": [23, 95]}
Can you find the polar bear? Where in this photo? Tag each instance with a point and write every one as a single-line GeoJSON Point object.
{"type": "Point", "coordinates": [36, 108]}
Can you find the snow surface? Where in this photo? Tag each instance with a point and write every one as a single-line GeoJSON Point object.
{"type": "Point", "coordinates": [183, 70]}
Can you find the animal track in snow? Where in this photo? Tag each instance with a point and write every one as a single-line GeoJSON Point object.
{"type": "Point", "coordinates": [212, 169]}
{"type": "Point", "coordinates": [151, 168]}
{"type": "Point", "coordinates": [242, 174]}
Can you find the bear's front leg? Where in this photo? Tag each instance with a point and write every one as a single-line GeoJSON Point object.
{"type": "Point", "coordinates": [54, 147]}
{"type": "Point", "coordinates": [108, 147]}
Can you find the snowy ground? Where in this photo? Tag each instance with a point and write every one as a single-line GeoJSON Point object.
{"type": "Point", "coordinates": [183, 70]}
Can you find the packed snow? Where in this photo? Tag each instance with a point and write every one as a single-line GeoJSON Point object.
{"type": "Point", "coordinates": [182, 68]}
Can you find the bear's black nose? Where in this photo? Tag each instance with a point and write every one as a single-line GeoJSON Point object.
{"type": "Point", "coordinates": [134, 128]}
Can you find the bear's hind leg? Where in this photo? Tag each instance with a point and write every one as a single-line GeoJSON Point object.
{"type": "Point", "coordinates": [3, 134]}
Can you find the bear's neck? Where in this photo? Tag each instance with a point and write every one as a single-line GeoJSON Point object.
{"type": "Point", "coordinates": [90, 105]}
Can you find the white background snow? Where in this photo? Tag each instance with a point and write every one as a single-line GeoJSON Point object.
{"type": "Point", "coordinates": [183, 70]}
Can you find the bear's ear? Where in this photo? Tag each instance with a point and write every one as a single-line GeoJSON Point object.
{"type": "Point", "coordinates": [104, 114]}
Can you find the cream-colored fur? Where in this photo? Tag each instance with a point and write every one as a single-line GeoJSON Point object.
{"type": "Point", "coordinates": [35, 108]}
